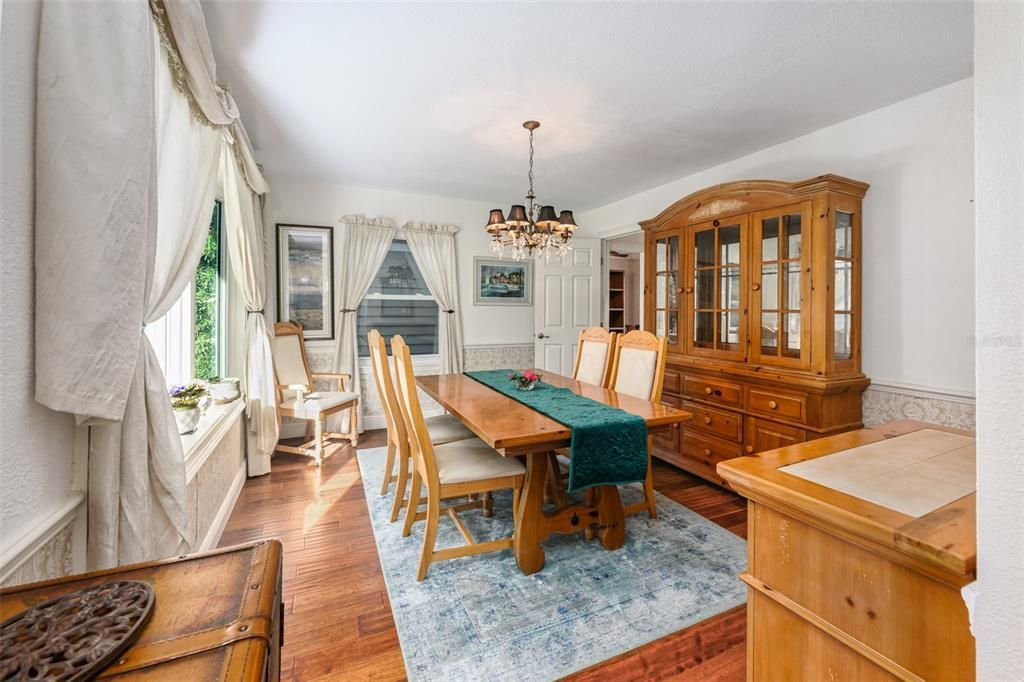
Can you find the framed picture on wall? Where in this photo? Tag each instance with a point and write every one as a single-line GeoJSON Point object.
{"type": "Point", "coordinates": [305, 278]}
{"type": "Point", "coordinates": [502, 282]}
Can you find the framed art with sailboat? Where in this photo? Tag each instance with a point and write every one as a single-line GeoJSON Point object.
{"type": "Point", "coordinates": [502, 282]}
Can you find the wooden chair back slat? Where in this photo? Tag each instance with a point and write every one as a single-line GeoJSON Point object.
{"type": "Point", "coordinates": [585, 368]}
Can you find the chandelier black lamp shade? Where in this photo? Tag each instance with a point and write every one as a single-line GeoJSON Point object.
{"type": "Point", "coordinates": [517, 216]}
{"type": "Point", "coordinates": [496, 223]}
{"type": "Point", "coordinates": [531, 229]}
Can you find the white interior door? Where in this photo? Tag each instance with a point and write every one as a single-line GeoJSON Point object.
{"type": "Point", "coordinates": [568, 299]}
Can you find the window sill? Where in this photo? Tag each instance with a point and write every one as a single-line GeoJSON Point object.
{"type": "Point", "coordinates": [213, 425]}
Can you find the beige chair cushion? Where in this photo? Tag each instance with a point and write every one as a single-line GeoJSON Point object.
{"type": "Point", "coordinates": [593, 357]}
{"type": "Point", "coordinates": [288, 361]}
{"type": "Point", "coordinates": [635, 375]}
{"type": "Point", "coordinates": [446, 429]}
{"type": "Point", "coordinates": [473, 460]}
{"type": "Point", "coordinates": [309, 408]}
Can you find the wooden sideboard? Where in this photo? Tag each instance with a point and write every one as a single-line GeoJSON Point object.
{"type": "Point", "coordinates": [756, 285]}
{"type": "Point", "coordinates": [842, 587]}
{"type": "Point", "coordinates": [216, 615]}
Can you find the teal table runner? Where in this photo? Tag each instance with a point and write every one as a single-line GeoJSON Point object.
{"type": "Point", "coordinates": [609, 445]}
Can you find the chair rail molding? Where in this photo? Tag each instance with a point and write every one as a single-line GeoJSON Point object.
{"type": "Point", "coordinates": [886, 401]}
{"type": "Point", "coordinates": [48, 549]}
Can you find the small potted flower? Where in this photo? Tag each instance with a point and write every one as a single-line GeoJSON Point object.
{"type": "Point", "coordinates": [185, 400]}
{"type": "Point", "coordinates": [525, 381]}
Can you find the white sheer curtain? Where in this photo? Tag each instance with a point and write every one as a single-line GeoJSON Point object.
{"type": "Point", "coordinates": [243, 218]}
{"type": "Point", "coordinates": [363, 245]}
{"type": "Point", "coordinates": [433, 248]}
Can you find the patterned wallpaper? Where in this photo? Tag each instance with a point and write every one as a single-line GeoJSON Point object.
{"type": "Point", "coordinates": [885, 404]}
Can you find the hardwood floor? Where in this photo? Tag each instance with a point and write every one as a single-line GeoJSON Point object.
{"type": "Point", "coordinates": [338, 623]}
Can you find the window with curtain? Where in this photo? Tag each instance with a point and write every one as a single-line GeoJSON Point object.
{"type": "Point", "coordinates": [190, 340]}
{"type": "Point", "coordinates": [398, 302]}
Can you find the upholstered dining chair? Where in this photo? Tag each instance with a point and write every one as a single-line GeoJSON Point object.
{"type": "Point", "coordinates": [638, 369]}
{"type": "Point", "coordinates": [297, 396]}
{"type": "Point", "coordinates": [443, 428]}
{"type": "Point", "coordinates": [594, 352]}
{"type": "Point", "coordinates": [453, 470]}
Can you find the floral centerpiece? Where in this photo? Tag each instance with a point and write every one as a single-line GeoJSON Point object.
{"type": "Point", "coordinates": [185, 400]}
{"type": "Point", "coordinates": [525, 381]}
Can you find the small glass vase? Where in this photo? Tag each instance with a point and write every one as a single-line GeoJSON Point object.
{"type": "Point", "coordinates": [526, 387]}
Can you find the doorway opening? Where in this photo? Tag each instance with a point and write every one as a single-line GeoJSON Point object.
{"type": "Point", "coordinates": [623, 276]}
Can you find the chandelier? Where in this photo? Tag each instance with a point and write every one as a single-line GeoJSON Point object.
{"type": "Point", "coordinates": [531, 230]}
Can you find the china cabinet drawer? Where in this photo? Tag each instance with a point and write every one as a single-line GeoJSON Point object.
{"type": "Point", "coordinates": [718, 422]}
{"type": "Point", "coordinates": [713, 391]}
{"type": "Point", "coordinates": [673, 381]}
{"type": "Point", "coordinates": [790, 406]}
{"type": "Point", "coordinates": [708, 449]}
{"type": "Point", "coordinates": [761, 435]}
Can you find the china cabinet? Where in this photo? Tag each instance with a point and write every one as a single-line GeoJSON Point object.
{"type": "Point", "coordinates": [756, 285]}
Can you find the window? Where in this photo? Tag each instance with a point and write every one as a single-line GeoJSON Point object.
{"type": "Point", "coordinates": [398, 302]}
{"type": "Point", "coordinates": [189, 340]}
{"type": "Point", "coordinates": [209, 286]}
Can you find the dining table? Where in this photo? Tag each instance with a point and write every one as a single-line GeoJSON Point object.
{"type": "Point", "coordinates": [516, 430]}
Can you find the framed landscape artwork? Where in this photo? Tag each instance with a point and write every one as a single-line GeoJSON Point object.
{"type": "Point", "coordinates": [305, 274]}
{"type": "Point", "coordinates": [502, 282]}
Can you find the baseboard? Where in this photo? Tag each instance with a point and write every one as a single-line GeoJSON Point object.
{"type": "Point", "coordinates": [47, 549]}
{"type": "Point", "coordinates": [224, 513]}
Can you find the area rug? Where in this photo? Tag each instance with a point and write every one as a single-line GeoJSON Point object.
{"type": "Point", "coordinates": [480, 618]}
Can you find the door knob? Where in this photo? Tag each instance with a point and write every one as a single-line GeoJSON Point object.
{"type": "Point", "coordinates": [542, 335]}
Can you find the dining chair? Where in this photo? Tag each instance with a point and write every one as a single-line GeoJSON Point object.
{"type": "Point", "coordinates": [452, 470]}
{"type": "Point", "coordinates": [594, 352]}
{"type": "Point", "coordinates": [443, 428]}
{"type": "Point", "coordinates": [638, 369]}
{"type": "Point", "coordinates": [297, 396]}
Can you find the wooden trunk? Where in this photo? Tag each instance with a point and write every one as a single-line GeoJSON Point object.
{"type": "Point", "coordinates": [217, 615]}
{"type": "Point", "coordinates": [756, 285]}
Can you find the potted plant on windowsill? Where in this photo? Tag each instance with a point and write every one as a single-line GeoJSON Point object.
{"type": "Point", "coordinates": [185, 400]}
{"type": "Point", "coordinates": [223, 389]}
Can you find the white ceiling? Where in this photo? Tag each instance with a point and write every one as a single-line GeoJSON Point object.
{"type": "Point", "coordinates": [429, 98]}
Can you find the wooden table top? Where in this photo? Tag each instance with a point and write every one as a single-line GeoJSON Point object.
{"type": "Point", "coordinates": [513, 428]}
{"type": "Point", "coordinates": [944, 538]}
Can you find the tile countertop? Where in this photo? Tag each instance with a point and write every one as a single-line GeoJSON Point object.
{"type": "Point", "coordinates": [908, 485]}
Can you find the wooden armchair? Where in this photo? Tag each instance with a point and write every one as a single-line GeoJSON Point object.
{"type": "Point", "coordinates": [297, 396]}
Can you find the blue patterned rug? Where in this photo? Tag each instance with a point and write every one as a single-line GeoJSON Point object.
{"type": "Point", "coordinates": [480, 618]}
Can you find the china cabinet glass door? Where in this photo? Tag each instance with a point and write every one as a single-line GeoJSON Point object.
{"type": "Point", "coordinates": [780, 267]}
{"type": "Point", "coordinates": [844, 279]}
{"type": "Point", "coordinates": [715, 288]}
{"type": "Point", "coordinates": [666, 288]}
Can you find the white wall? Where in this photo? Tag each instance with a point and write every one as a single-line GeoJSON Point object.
{"type": "Point", "coordinates": [311, 203]}
{"type": "Point", "coordinates": [999, 130]}
{"type": "Point", "coordinates": [35, 460]}
{"type": "Point", "coordinates": [918, 227]}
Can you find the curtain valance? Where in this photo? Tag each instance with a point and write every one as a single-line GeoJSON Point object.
{"type": "Point", "coordinates": [183, 34]}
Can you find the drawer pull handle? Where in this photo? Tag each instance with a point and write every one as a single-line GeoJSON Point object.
{"type": "Point", "coordinates": [755, 286]}
{"type": "Point", "coordinates": [707, 452]}
{"type": "Point", "coordinates": [707, 420]}
{"type": "Point", "coordinates": [772, 404]}
{"type": "Point", "coordinates": [749, 449]}
{"type": "Point", "coordinates": [708, 390]}
{"type": "Point", "coordinates": [689, 290]}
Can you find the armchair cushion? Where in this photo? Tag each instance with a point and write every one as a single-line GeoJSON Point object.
{"type": "Point", "coordinates": [311, 407]}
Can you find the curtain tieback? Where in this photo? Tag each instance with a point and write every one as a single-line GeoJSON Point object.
{"type": "Point", "coordinates": [346, 310]}
{"type": "Point", "coordinates": [249, 311]}
{"type": "Point", "coordinates": [450, 312]}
